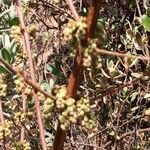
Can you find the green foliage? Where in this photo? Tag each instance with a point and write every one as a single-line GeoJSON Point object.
{"type": "Point", "coordinates": [113, 96]}
{"type": "Point", "coordinates": [145, 22]}
{"type": "Point", "coordinates": [3, 70]}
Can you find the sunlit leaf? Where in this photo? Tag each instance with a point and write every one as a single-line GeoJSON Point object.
{"type": "Point", "coordinates": [12, 49]}
{"type": "Point", "coordinates": [134, 62]}
{"type": "Point", "coordinates": [51, 83]}
{"type": "Point", "coordinates": [145, 22]}
{"type": "Point", "coordinates": [49, 68]}
{"type": "Point", "coordinates": [147, 95]}
{"type": "Point", "coordinates": [134, 108]}
{"type": "Point", "coordinates": [47, 86]}
{"type": "Point", "coordinates": [137, 75]}
{"type": "Point", "coordinates": [6, 41]}
{"type": "Point", "coordinates": [12, 12]}
{"type": "Point", "coordinates": [134, 95]}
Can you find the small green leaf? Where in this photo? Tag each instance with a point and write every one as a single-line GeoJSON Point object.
{"type": "Point", "coordinates": [53, 69]}
{"type": "Point", "coordinates": [14, 21]}
{"type": "Point", "coordinates": [47, 86]}
{"type": "Point", "coordinates": [49, 68]}
{"type": "Point", "coordinates": [148, 11]}
{"type": "Point", "coordinates": [5, 55]}
{"type": "Point", "coordinates": [3, 70]}
{"type": "Point", "coordinates": [145, 22]}
{"type": "Point", "coordinates": [133, 62]}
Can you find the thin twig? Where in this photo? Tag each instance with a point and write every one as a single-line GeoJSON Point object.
{"type": "Point", "coordinates": [1, 112]}
{"type": "Point", "coordinates": [112, 91]}
{"type": "Point", "coordinates": [2, 122]}
{"type": "Point", "coordinates": [89, 145]}
{"type": "Point", "coordinates": [72, 8]}
{"type": "Point", "coordinates": [26, 44]}
{"type": "Point", "coordinates": [106, 52]}
{"type": "Point", "coordinates": [127, 134]}
{"type": "Point", "coordinates": [47, 26]}
{"type": "Point", "coordinates": [33, 85]}
{"type": "Point", "coordinates": [22, 135]}
{"type": "Point", "coordinates": [139, 11]}
{"type": "Point", "coordinates": [55, 7]}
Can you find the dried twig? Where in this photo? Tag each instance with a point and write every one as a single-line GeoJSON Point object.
{"type": "Point", "coordinates": [55, 7]}
{"type": "Point", "coordinates": [127, 134]}
{"type": "Point", "coordinates": [121, 137]}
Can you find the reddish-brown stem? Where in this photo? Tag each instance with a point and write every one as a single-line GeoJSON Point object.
{"type": "Point", "coordinates": [26, 44]}
{"type": "Point", "coordinates": [59, 138]}
{"type": "Point", "coordinates": [74, 79]}
{"type": "Point", "coordinates": [2, 122]}
{"type": "Point", "coordinates": [1, 112]}
{"type": "Point", "coordinates": [106, 52]}
{"type": "Point", "coordinates": [92, 17]}
{"type": "Point", "coordinates": [22, 135]}
{"type": "Point", "coordinates": [24, 97]}
{"type": "Point", "coordinates": [35, 86]}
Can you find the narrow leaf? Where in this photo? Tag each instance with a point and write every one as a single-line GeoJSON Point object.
{"type": "Point", "coordinates": [3, 70]}
{"type": "Point", "coordinates": [6, 55]}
